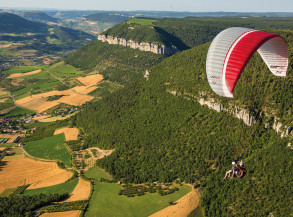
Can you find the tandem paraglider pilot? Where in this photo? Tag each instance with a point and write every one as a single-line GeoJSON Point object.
{"type": "Point", "coordinates": [236, 171]}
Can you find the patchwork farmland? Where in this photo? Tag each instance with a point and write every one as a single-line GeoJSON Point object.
{"type": "Point", "coordinates": [43, 88]}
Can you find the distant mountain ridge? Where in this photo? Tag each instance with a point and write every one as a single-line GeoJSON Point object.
{"type": "Point", "coordinates": [38, 16]}
{"type": "Point", "coordinates": [11, 23]}
{"type": "Point", "coordinates": [108, 18]}
{"type": "Point", "coordinates": [31, 43]}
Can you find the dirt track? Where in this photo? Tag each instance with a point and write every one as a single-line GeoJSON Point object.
{"type": "Point", "coordinates": [74, 213]}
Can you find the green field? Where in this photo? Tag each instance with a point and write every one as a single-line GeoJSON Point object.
{"type": "Point", "coordinates": [4, 94]}
{"type": "Point", "coordinates": [198, 212]}
{"type": "Point", "coordinates": [96, 173]}
{"type": "Point", "coordinates": [19, 112]}
{"type": "Point", "coordinates": [7, 145]}
{"type": "Point", "coordinates": [52, 148]}
{"type": "Point", "coordinates": [66, 187]}
{"type": "Point", "coordinates": [105, 201]}
{"type": "Point", "coordinates": [62, 70]}
{"type": "Point", "coordinates": [146, 22]}
{"type": "Point", "coordinates": [42, 85]}
{"type": "Point", "coordinates": [40, 75]}
{"type": "Point", "coordinates": [105, 88]}
{"type": "Point", "coordinates": [7, 192]}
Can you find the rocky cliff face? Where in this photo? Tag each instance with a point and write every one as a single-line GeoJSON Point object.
{"type": "Point", "coordinates": [143, 46]}
{"type": "Point", "coordinates": [240, 114]}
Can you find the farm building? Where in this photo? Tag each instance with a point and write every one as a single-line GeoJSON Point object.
{"type": "Point", "coordinates": [17, 139]}
{"type": "Point", "coordinates": [3, 141]}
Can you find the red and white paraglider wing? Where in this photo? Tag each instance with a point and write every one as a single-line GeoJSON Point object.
{"type": "Point", "coordinates": [231, 50]}
{"type": "Point", "coordinates": [275, 54]}
{"type": "Point", "coordinates": [216, 57]}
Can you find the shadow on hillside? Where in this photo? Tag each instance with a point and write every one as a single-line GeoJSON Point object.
{"type": "Point", "coordinates": [170, 39]}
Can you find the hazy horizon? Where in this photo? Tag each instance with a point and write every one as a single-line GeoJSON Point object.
{"type": "Point", "coordinates": [153, 5]}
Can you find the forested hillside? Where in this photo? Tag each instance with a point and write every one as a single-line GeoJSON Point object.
{"type": "Point", "coordinates": [161, 137]}
{"type": "Point", "coordinates": [188, 32]}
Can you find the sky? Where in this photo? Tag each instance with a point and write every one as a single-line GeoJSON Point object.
{"type": "Point", "coordinates": [158, 5]}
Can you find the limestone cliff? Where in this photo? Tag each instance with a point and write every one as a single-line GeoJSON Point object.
{"type": "Point", "coordinates": [143, 46]}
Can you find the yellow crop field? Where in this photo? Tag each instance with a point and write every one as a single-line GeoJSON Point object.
{"type": "Point", "coordinates": [17, 75]}
{"type": "Point", "coordinates": [75, 99]}
{"type": "Point", "coordinates": [81, 191]}
{"type": "Point", "coordinates": [46, 105]}
{"type": "Point", "coordinates": [5, 45]}
{"type": "Point", "coordinates": [39, 102]}
{"type": "Point", "coordinates": [16, 172]}
{"type": "Point", "coordinates": [84, 89]}
{"type": "Point", "coordinates": [91, 79]}
{"type": "Point", "coordinates": [183, 207]}
{"type": "Point", "coordinates": [70, 133]}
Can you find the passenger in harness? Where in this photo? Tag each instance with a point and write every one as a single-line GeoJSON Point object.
{"type": "Point", "coordinates": [233, 172]}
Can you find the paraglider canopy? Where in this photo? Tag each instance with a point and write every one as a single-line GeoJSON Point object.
{"type": "Point", "coordinates": [231, 50]}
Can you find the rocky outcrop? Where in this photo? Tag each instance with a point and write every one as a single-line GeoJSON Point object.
{"type": "Point", "coordinates": [143, 46]}
{"type": "Point", "coordinates": [237, 112]}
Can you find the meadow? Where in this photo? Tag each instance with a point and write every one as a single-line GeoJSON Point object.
{"type": "Point", "coordinates": [105, 201]}
{"type": "Point", "coordinates": [66, 187]}
{"type": "Point", "coordinates": [51, 148]}
{"type": "Point", "coordinates": [61, 69]}
{"type": "Point", "coordinates": [96, 173]}
{"type": "Point", "coordinates": [145, 22]}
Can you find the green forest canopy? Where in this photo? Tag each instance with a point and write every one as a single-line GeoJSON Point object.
{"type": "Point", "coordinates": [160, 137]}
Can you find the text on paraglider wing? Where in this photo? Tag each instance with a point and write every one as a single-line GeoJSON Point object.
{"type": "Point", "coordinates": [213, 76]}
